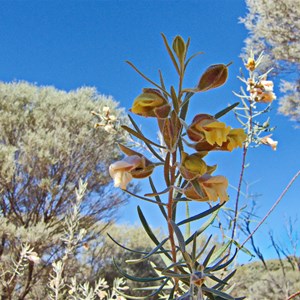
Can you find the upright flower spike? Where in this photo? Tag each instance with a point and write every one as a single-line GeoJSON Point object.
{"type": "Point", "coordinates": [206, 128]}
{"type": "Point", "coordinates": [148, 102]}
{"type": "Point", "coordinates": [213, 77]}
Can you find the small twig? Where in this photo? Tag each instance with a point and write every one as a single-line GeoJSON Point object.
{"type": "Point", "coordinates": [238, 195]}
{"type": "Point", "coordinates": [293, 296]}
{"type": "Point", "coordinates": [271, 209]}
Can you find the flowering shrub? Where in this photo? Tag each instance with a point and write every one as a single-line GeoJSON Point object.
{"type": "Point", "coordinates": [188, 272]}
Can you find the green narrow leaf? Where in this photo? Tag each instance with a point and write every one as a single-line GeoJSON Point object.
{"type": "Point", "coordinates": [138, 279]}
{"type": "Point", "coordinates": [245, 250]}
{"type": "Point", "coordinates": [225, 264]}
{"type": "Point", "coordinates": [158, 200]}
{"type": "Point", "coordinates": [140, 136]}
{"type": "Point", "coordinates": [185, 104]}
{"type": "Point", "coordinates": [194, 247]}
{"type": "Point", "coordinates": [155, 250]}
{"type": "Point", "coordinates": [148, 288]}
{"type": "Point", "coordinates": [204, 247]}
{"type": "Point", "coordinates": [174, 99]}
{"type": "Point", "coordinates": [144, 198]}
{"type": "Point", "coordinates": [131, 250]}
{"type": "Point", "coordinates": [176, 275]}
{"type": "Point", "coordinates": [180, 144]}
{"type": "Point", "coordinates": [188, 225]}
{"type": "Point", "coordinates": [217, 293]}
{"type": "Point", "coordinates": [158, 193]}
{"type": "Point", "coordinates": [210, 253]}
{"type": "Point", "coordinates": [149, 231]}
{"type": "Point", "coordinates": [187, 45]}
{"type": "Point", "coordinates": [226, 110]}
{"type": "Point", "coordinates": [179, 236]}
{"type": "Point", "coordinates": [147, 144]}
{"type": "Point", "coordinates": [219, 252]}
{"type": "Point", "coordinates": [162, 83]}
{"type": "Point", "coordinates": [226, 279]}
{"type": "Point", "coordinates": [212, 268]}
{"type": "Point", "coordinates": [146, 78]}
{"type": "Point", "coordinates": [203, 227]}
{"type": "Point", "coordinates": [216, 279]}
{"type": "Point", "coordinates": [170, 53]}
{"type": "Point", "coordinates": [192, 57]}
{"type": "Point", "coordinates": [201, 215]}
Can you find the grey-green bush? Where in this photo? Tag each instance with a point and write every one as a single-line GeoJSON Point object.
{"type": "Point", "coordinates": [47, 143]}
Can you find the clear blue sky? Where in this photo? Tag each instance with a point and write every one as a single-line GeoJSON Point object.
{"type": "Point", "coordinates": [69, 44]}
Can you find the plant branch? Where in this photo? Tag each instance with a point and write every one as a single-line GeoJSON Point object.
{"type": "Point", "coordinates": [271, 209]}
{"type": "Point", "coordinates": [293, 296]}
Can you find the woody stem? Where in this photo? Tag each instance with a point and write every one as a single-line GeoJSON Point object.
{"type": "Point", "coordinates": [170, 207]}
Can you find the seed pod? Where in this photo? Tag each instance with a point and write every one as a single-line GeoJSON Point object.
{"type": "Point", "coordinates": [213, 77]}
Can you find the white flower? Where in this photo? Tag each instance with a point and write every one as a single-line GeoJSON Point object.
{"type": "Point", "coordinates": [109, 128]}
{"type": "Point", "coordinates": [105, 109]}
{"type": "Point", "coordinates": [267, 140]}
{"type": "Point", "coordinates": [34, 258]}
{"type": "Point", "coordinates": [112, 118]}
{"type": "Point", "coordinates": [120, 170]}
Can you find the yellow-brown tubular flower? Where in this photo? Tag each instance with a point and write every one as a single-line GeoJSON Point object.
{"type": "Point", "coordinates": [133, 166]}
{"type": "Point", "coordinates": [212, 187]}
{"type": "Point", "coordinates": [235, 138]}
{"type": "Point", "coordinates": [206, 128]}
{"type": "Point", "coordinates": [146, 104]}
{"type": "Point", "coordinates": [193, 165]}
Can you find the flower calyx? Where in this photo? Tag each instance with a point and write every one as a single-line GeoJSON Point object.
{"type": "Point", "coordinates": [171, 129]}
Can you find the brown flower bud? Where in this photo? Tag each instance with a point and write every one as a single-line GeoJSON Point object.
{"type": "Point", "coordinates": [251, 64]}
{"type": "Point", "coordinates": [179, 48]}
{"type": "Point", "coordinates": [213, 77]}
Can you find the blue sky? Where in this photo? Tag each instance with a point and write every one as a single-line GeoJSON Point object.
{"type": "Point", "coordinates": [69, 44]}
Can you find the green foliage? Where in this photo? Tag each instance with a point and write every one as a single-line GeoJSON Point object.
{"type": "Point", "coordinates": [274, 28]}
{"type": "Point", "coordinates": [47, 144]}
{"type": "Point", "coordinates": [257, 282]}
